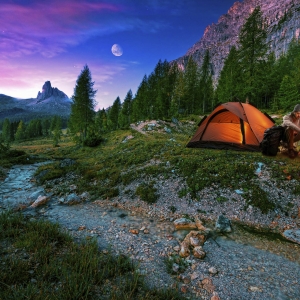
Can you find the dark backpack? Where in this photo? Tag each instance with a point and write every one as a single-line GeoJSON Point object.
{"type": "Point", "coordinates": [271, 140]}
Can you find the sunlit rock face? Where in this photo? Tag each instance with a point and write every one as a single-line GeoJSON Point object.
{"type": "Point", "coordinates": [48, 91]}
{"type": "Point", "coordinates": [283, 19]}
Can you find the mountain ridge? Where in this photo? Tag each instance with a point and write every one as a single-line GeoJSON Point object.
{"type": "Point", "coordinates": [282, 17]}
{"type": "Point", "coordinates": [51, 101]}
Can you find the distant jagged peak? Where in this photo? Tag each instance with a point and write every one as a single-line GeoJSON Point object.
{"type": "Point", "coordinates": [48, 91]}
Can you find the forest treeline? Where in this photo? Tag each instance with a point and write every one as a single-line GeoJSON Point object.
{"type": "Point", "coordinates": [19, 130]}
{"type": "Point", "coordinates": [251, 72]}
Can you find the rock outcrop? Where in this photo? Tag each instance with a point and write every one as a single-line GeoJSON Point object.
{"type": "Point", "coordinates": [48, 91]}
{"type": "Point", "coordinates": [282, 17]}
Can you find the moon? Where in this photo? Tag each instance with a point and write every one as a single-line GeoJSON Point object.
{"type": "Point", "coordinates": [116, 50]}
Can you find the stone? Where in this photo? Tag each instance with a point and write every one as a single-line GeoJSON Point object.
{"type": "Point", "coordinates": [134, 231]}
{"type": "Point", "coordinates": [199, 224]}
{"type": "Point", "coordinates": [207, 284]}
{"type": "Point", "coordinates": [72, 199]}
{"type": "Point", "coordinates": [215, 296]}
{"type": "Point", "coordinates": [223, 224]}
{"type": "Point", "coordinates": [255, 289]}
{"type": "Point", "coordinates": [199, 252]}
{"type": "Point", "coordinates": [66, 162]}
{"type": "Point", "coordinates": [85, 196]}
{"type": "Point", "coordinates": [184, 289]}
{"type": "Point", "coordinates": [194, 241]}
{"type": "Point", "coordinates": [36, 194]}
{"type": "Point", "coordinates": [73, 187]}
{"type": "Point", "coordinates": [292, 235]}
{"type": "Point", "coordinates": [175, 268]}
{"type": "Point", "coordinates": [213, 270]}
{"type": "Point", "coordinates": [40, 201]}
{"type": "Point", "coordinates": [184, 250]}
{"type": "Point", "coordinates": [194, 276]}
{"type": "Point", "coordinates": [176, 248]}
{"type": "Point", "coordinates": [184, 223]}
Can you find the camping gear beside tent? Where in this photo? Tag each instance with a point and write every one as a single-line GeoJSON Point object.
{"type": "Point", "coordinates": [232, 125]}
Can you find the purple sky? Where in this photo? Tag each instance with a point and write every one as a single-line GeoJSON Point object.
{"type": "Point", "coordinates": [54, 39]}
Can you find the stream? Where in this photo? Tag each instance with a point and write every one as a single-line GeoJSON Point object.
{"type": "Point", "coordinates": [249, 266]}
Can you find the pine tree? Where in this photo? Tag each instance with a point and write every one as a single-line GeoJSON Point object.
{"type": "Point", "coordinates": [20, 134]}
{"type": "Point", "coordinates": [177, 94]}
{"type": "Point", "coordinates": [229, 80]}
{"type": "Point", "coordinates": [6, 131]}
{"type": "Point", "coordinates": [206, 90]}
{"type": "Point", "coordinates": [191, 77]}
{"type": "Point", "coordinates": [82, 108]}
{"type": "Point", "coordinates": [140, 104]}
{"type": "Point", "coordinates": [288, 94]}
{"type": "Point", "coordinates": [252, 53]}
{"type": "Point", "coordinates": [113, 114]}
{"type": "Point", "coordinates": [126, 111]}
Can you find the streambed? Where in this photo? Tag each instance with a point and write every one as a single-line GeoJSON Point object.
{"type": "Point", "coordinates": [249, 266]}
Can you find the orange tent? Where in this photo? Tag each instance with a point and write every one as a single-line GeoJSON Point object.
{"type": "Point", "coordinates": [232, 125]}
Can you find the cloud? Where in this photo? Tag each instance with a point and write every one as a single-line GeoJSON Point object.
{"type": "Point", "coordinates": [50, 28]}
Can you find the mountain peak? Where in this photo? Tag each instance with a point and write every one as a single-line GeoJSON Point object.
{"type": "Point", "coordinates": [48, 91]}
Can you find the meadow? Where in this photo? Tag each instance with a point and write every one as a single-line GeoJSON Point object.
{"type": "Point", "coordinates": [64, 269]}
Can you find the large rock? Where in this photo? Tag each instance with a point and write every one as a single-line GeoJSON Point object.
{"type": "Point", "coordinates": [48, 91]}
{"type": "Point", "coordinates": [223, 224]}
{"type": "Point", "coordinates": [184, 223]}
{"type": "Point", "coordinates": [40, 201]}
{"type": "Point", "coordinates": [292, 235]}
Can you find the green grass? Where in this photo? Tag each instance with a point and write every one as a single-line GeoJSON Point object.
{"type": "Point", "coordinates": [102, 170]}
{"type": "Point", "coordinates": [40, 261]}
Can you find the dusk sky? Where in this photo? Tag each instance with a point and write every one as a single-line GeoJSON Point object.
{"type": "Point", "coordinates": [53, 40]}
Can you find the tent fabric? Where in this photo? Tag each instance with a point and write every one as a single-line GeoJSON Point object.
{"type": "Point", "coordinates": [232, 125]}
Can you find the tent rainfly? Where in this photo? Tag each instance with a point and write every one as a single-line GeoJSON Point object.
{"type": "Point", "coordinates": [232, 125]}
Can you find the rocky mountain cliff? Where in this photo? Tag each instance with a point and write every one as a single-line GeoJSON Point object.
{"type": "Point", "coordinates": [51, 101]}
{"type": "Point", "coordinates": [48, 91]}
{"type": "Point", "coordinates": [283, 19]}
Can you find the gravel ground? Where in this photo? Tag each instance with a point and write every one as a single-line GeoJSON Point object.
{"type": "Point", "coordinates": [238, 265]}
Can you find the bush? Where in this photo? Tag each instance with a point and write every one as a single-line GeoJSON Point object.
{"type": "Point", "coordinates": [93, 141]}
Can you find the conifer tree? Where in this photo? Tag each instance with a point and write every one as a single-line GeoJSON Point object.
{"type": "Point", "coordinates": [205, 85]}
{"type": "Point", "coordinates": [20, 133]}
{"type": "Point", "coordinates": [177, 95]}
{"type": "Point", "coordinates": [140, 103]}
{"type": "Point", "coordinates": [82, 108]}
{"type": "Point", "coordinates": [126, 111]}
{"type": "Point", "coordinates": [56, 132]}
{"type": "Point", "coordinates": [113, 114]}
{"type": "Point", "coordinates": [6, 131]}
{"type": "Point", "coordinates": [288, 94]}
{"type": "Point", "coordinates": [229, 80]}
{"type": "Point", "coordinates": [252, 53]}
{"type": "Point", "coordinates": [191, 95]}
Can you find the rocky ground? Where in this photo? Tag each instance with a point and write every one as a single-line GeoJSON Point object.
{"type": "Point", "coordinates": [236, 265]}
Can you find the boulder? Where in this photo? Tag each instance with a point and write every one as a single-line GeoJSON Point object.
{"type": "Point", "coordinates": [72, 199]}
{"type": "Point", "coordinates": [199, 252]}
{"type": "Point", "coordinates": [223, 224]}
{"type": "Point", "coordinates": [184, 223]}
{"type": "Point", "coordinates": [40, 201]}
